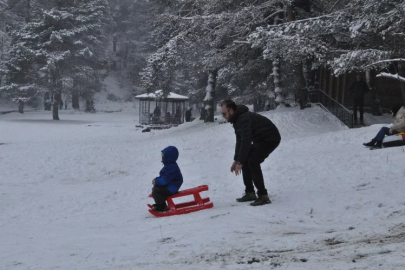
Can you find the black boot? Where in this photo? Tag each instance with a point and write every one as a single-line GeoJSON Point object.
{"type": "Point", "coordinates": [369, 144]}
{"type": "Point", "coordinates": [263, 199]}
{"type": "Point", "coordinates": [248, 196]}
{"type": "Point", "coordinates": [159, 208]}
{"type": "Point", "coordinates": [377, 145]}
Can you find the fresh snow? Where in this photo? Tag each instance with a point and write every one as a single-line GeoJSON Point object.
{"type": "Point", "coordinates": [159, 93]}
{"type": "Point", "coordinates": [73, 195]}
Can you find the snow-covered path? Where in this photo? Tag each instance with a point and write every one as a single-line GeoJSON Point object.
{"type": "Point", "coordinates": [73, 195]}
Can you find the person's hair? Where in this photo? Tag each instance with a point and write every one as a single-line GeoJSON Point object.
{"type": "Point", "coordinates": [230, 104]}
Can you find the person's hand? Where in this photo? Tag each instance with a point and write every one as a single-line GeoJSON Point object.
{"type": "Point", "coordinates": [390, 131]}
{"type": "Point", "coordinates": [238, 169]}
{"type": "Point", "coordinates": [233, 166]}
{"type": "Point", "coordinates": [154, 181]}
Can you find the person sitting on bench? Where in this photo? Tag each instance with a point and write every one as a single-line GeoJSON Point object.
{"type": "Point", "coordinates": [169, 180]}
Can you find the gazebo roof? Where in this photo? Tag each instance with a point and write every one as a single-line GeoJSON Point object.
{"type": "Point", "coordinates": [159, 94]}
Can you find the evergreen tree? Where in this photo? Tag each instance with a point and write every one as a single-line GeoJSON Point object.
{"type": "Point", "coordinates": [63, 52]}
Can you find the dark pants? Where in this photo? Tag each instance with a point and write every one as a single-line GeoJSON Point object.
{"type": "Point", "coordinates": [384, 131]}
{"type": "Point", "coordinates": [358, 103]}
{"type": "Point", "coordinates": [160, 195]}
{"type": "Point", "coordinates": [251, 170]}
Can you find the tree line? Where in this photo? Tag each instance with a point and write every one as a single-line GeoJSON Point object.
{"type": "Point", "coordinates": [251, 51]}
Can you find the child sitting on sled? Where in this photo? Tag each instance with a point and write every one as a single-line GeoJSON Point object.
{"type": "Point", "coordinates": [169, 180]}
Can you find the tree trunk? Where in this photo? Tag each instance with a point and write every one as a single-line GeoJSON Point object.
{"type": "Point", "coordinates": [302, 90]}
{"type": "Point", "coordinates": [55, 106]}
{"type": "Point", "coordinates": [210, 96]}
{"type": "Point", "coordinates": [290, 13]}
{"type": "Point", "coordinates": [1, 53]}
{"type": "Point", "coordinates": [257, 105]}
{"type": "Point", "coordinates": [325, 79]}
{"type": "Point", "coordinates": [75, 100]}
{"type": "Point", "coordinates": [21, 106]}
{"type": "Point", "coordinates": [344, 88]}
{"type": "Point", "coordinates": [311, 73]}
{"type": "Point", "coordinates": [277, 86]}
{"type": "Point", "coordinates": [115, 42]}
{"type": "Point", "coordinates": [401, 72]}
{"type": "Point", "coordinates": [28, 7]}
{"type": "Point", "coordinates": [337, 88]}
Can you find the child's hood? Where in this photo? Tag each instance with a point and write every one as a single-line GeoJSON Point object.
{"type": "Point", "coordinates": [170, 155]}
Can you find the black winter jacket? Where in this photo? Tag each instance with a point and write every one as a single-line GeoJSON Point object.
{"type": "Point", "coordinates": [251, 127]}
{"type": "Point", "coordinates": [359, 89]}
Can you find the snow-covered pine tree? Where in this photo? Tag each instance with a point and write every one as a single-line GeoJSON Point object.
{"type": "Point", "coordinates": [63, 52]}
{"type": "Point", "coordinates": [294, 44]}
{"type": "Point", "coordinates": [26, 11]}
{"type": "Point", "coordinates": [131, 42]}
{"type": "Point", "coordinates": [208, 33]}
{"type": "Point", "coordinates": [377, 31]}
{"type": "Point", "coordinates": [3, 35]}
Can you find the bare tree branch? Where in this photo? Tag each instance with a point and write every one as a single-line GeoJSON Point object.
{"type": "Point", "coordinates": [387, 61]}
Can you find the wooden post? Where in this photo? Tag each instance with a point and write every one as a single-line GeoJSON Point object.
{"type": "Point", "coordinates": [330, 84]}
{"type": "Point", "coordinates": [337, 90]}
{"type": "Point", "coordinates": [320, 77]}
{"type": "Point", "coordinates": [344, 88]}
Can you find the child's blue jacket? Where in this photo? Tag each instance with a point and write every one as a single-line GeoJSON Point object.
{"type": "Point", "coordinates": [170, 175]}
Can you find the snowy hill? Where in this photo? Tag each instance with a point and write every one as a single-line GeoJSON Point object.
{"type": "Point", "coordinates": [74, 194]}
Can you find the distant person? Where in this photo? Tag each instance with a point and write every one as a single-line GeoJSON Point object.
{"type": "Point", "coordinates": [156, 114]}
{"type": "Point", "coordinates": [169, 180]}
{"type": "Point", "coordinates": [61, 105]}
{"type": "Point", "coordinates": [188, 115]}
{"type": "Point", "coordinates": [256, 138]}
{"type": "Point", "coordinates": [357, 90]}
{"type": "Point", "coordinates": [66, 104]}
{"type": "Point", "coordinates": [157, 111]}
{"type": "Point", "coordinates": [397, 112]}
{"type": "Point", "coordinates": [177, 115]}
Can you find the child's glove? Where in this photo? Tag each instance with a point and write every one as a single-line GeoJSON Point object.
{"type": "Point", "coordinates": [154, 181]}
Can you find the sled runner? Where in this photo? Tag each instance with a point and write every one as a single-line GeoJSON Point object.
{"type": "Point", "coordinates": [394, 140]}
{"type": "Point", "coordinates": [186, 207]}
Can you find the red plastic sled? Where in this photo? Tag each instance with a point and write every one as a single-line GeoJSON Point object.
{"type": "Point", "coordinates": [186, 207]}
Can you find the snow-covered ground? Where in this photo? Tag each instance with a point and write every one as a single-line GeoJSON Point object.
{"type": "Point", "coordinates": [73, 195]}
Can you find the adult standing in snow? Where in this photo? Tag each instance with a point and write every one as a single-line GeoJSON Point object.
{"type": "Point", "coordinates": [357, 90]}
{"type": "Point", "coordinates": [398, 112]}
{"type": "Point", "coordinates": [256, 138]}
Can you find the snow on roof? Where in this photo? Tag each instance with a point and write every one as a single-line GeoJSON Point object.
{"type": "Point", "coordinates": [159, 94]}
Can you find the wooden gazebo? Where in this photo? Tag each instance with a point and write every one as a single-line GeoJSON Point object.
{"type": "Point", "coordinates": [154, 108]}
